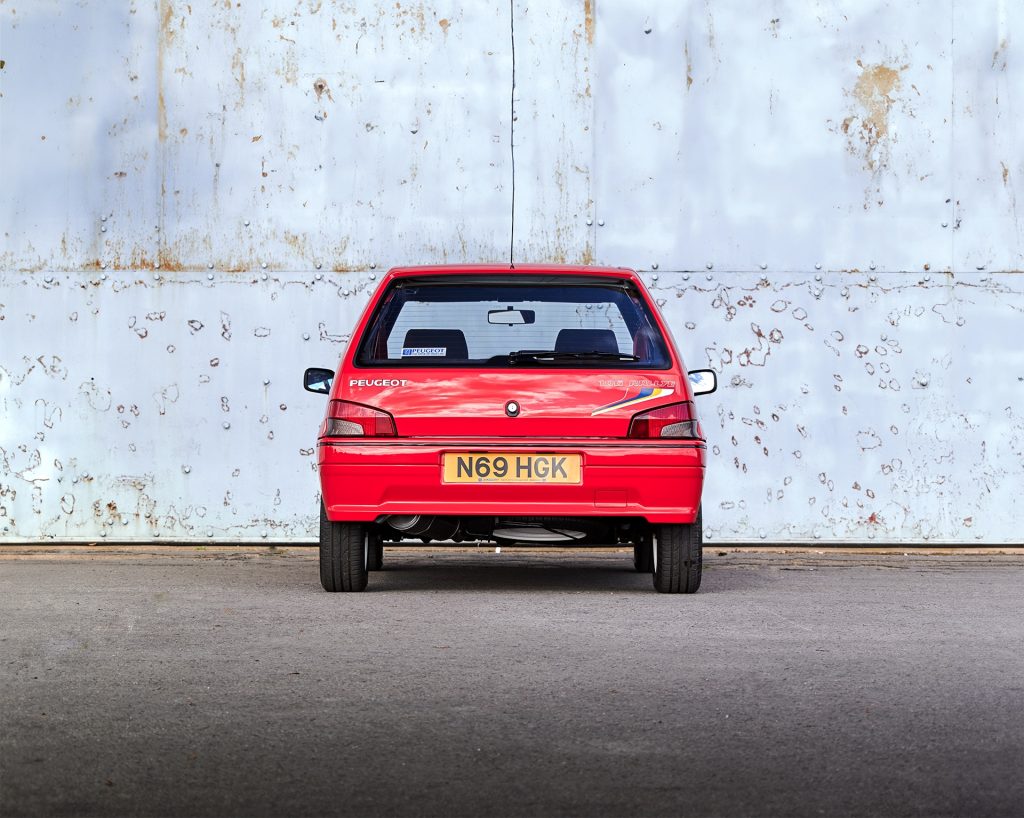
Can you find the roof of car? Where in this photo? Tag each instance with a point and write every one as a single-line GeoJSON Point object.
{"type": "Point", "coordinates": [506, 269]}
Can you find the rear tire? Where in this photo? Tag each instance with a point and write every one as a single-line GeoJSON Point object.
{"type": "Point", "coordinates": [343, 554]}
{"type": "Point", "coordinates": [643, 555]}
{"type": "Point", "coordinates": [678, 557]}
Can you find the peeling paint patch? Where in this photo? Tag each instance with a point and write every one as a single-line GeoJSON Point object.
{"type": "Point", "coordinates": [868, 128]}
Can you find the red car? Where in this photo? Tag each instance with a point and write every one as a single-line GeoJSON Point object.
{"type": "Point", "coordinates": [530, 405]}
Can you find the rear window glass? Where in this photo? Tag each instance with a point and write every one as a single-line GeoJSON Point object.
{"type": "Point", "coordinates": [538, 321]}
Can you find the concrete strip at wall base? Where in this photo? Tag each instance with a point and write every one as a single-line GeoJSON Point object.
{"type": "Point", "coordinates": [766, 556]}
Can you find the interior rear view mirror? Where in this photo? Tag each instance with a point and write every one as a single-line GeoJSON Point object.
{"type": "Point", "coordinates": [703, 381]}
{"type": "Point", "coordinates": [318, 380]}
{"type": "Point", "coordinates": [511, 316]}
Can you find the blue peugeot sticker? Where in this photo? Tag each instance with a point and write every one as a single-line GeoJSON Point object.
{"type": "Point", "coordinates": [424, 352]}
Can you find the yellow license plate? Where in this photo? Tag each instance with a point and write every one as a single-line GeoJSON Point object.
{"type": "Point", "coordinates": [505, 467]}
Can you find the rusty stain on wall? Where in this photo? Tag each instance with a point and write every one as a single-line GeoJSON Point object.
{"type": "Point", "coordinates": [868, 128]}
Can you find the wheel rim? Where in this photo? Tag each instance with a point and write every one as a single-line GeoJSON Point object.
{"type": "Point", "coordinates": [366, 549]}
{"type": "Point", "coordinates": [654, 552]}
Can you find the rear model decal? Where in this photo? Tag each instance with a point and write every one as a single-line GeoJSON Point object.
{"type": "Point", "coordinates": [650, 393]}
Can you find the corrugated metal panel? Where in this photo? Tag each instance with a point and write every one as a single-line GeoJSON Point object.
{"type": "Point", "coordinates": [845, 169]}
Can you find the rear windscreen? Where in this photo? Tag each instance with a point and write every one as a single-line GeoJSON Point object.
{"type": "Point", "coordinates": [502, 322]}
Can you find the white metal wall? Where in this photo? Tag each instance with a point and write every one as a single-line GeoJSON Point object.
{"type": "Point", "coordinates": [198, 198]}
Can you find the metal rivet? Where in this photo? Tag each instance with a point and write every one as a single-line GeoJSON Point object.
{"type": "Point", "coordinates": [263, 534]}
{"type": "Point", "coordinates": [373, 276]}
{"type": "Point", "coordinates": [373, 266]}
{"type": "Point", "coordinates": [209, 266]}
{"type": "Point", "coordinates": [686, 276]}
{"type": "Point", "coordinates": [266, 381]}
{"type": "Point", "coordinates": [103, 218]}
{"type": "Point", "coordinates": [226, 425]}
{"type": "Point", "coordinates": [156, 533]}
{"type": "Point", "coordinates": [600, 222]}
{"type": "Point", "coordinates": [246, 223]}
{"type": "Point", "coordinates": [817, 278]}
{"type": "Point", "coordinates": [655, 267]}
{"type": "Point", "coordinates": [305, 336]}
{"type": "Point", "coordinates": [103, 229]}
{"type": "Point", "coordinates": [589, 222]}
{"type": "Point", "coordinates": [710, 278]}
{"type": "Point", "coordinates": [103, 533]}
{"type": "Point", "coordinates": [156, 266]}
{"type": "Point", "coordinates": [319, 276]}
{"type": "Point", "coordinates": [710, 266]}
{"type": "Point", "coordinates": [103, 265]}
{"type": "Point", "coordinates": [927, 278]}
{"type": "Point", "coordinates": [103, 277]}
{"type": "Point", "coordinates": [945, 224]}
{"type": "Point", "coordinates": [872, 266]}
{"type": "Point", "coordinates": [872, 278]}
{"type": "Point", "coordinates": [264, 265]}
{"type": "Point", "coordinates": [762, 535]}
{"type": "Point", "coordinates": [764, 266]}
{"type": "Point", "coordinates": [148, 515]}
{"type": "Point", "coordinates": [209, 533]}
{"type": "Point", "coordinates": [124, 522]}
{"type": "Point", "coordinates": [263, 277]}
{"type": "Point", "coordinates": [817, 535]}
{"type": "Point", "coordinates": [981, 267]}
{"type": "Point", "coordinates": [319, 265]}
{"type": "Point", "coordinates": [209, 276]}
{"type": "Point", "coordinates": [661, 302]}
{"type": "Point", "coordinates": [654, 277]}
{"type": "Point", "coordinates": [186, 469]}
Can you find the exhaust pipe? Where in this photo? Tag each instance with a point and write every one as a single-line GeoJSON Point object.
{"type": "Point", "coordinates": [424, 527]}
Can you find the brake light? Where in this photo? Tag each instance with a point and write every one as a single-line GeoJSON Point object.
{"type": "Point", "coordinates": [346, 419]}
{"type": "Point", "coordinates": [677, 420]}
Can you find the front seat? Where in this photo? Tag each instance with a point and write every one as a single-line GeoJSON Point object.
{"type": "Point", "coordinates": [452, 341]}
{"type": "Point", "coordinates": [586, 340]}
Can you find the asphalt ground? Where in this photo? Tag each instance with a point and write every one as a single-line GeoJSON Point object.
{"type": "Point", "coordinates": [184, 682]}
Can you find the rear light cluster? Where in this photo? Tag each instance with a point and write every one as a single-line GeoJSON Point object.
{"type": "Point", "coordinates": [347, 419]}
{"type": "Point", "coordinates": [677, 421]}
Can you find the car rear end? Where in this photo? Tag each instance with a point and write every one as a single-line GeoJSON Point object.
{"type": "Point", "coordinates": [534, 406]}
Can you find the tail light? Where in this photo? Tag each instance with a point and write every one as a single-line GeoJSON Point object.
{"type": "Point", "coordinates": [346, 419]}
{"type": "Point", "coordinates": [677, 420]}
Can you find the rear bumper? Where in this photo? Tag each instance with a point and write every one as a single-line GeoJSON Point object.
{"type": "Point", "coordinates": [660, 482]}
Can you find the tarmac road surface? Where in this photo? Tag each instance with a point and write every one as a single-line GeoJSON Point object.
{"type": "Point", "coordinates": [476, 684]}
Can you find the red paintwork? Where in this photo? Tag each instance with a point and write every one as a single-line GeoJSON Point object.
{"type": "Point", "coordinates": [458, 409]}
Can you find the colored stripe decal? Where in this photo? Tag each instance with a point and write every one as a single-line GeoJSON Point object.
{"type": "Point", "coordinates": [650, 393]}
